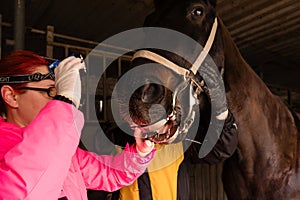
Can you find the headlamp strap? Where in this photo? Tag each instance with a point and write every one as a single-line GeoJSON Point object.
{"type": "Point", "coordinates": [26, 78]}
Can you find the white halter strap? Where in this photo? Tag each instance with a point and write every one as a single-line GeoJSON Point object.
{"type": "Point", "coordinates": [206, 48]}
{"type": "Point", "coordinates": [159, 59]}
{"type": "Point", "coordinates": [174, 67]}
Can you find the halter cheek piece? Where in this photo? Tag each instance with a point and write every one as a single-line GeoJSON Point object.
{"type": "Point", "coordinates": [189, 80]}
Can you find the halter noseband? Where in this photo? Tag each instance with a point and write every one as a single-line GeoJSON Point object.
{"type": "Point", "coordinates": [188, 77]}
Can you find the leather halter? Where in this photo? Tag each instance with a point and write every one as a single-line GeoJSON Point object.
{"type": "Point", "coordinates": [188, 76]}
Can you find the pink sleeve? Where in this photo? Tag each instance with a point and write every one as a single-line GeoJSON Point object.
{"type": "Point", "coordinates": [37, 166]}
{"type": "Point", "coordinates": [110, 173]}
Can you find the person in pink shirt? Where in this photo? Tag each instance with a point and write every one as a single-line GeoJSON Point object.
{"type": "Point", "coordinates": [40, 130]}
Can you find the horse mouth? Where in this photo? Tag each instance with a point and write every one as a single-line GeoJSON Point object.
{"type": "Point", "coordinates": [166, 134]}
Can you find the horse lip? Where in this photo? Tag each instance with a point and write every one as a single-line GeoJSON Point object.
{"type": "Point", "coordinates": [164, 138]}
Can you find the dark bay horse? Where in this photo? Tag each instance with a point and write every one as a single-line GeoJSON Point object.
{"type": "Point", "coordinates": [266, 164]}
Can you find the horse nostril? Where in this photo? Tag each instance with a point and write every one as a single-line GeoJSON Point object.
{"type": "Point", "coordinates": [152, 93]}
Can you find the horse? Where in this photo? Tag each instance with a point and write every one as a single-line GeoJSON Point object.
{"type": "Point", "coordinates": [266, 163]}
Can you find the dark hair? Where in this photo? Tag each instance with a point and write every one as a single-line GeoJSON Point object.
{"type": "Point", "coordinates": [18, 62]}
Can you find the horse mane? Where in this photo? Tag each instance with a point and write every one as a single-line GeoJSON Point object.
{"type": "Point", "coordinates": [231, 51]}
{"type": "Point", "coordinates": [245, 88]}
{"type": "Point", "coordinates": [237, 72]}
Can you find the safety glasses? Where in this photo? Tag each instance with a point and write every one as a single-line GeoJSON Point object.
{"type": "Point", "coordinates": [51, 91]}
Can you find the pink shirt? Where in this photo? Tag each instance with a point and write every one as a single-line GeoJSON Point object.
{"type": "Point", "coordinates": [42, 160]}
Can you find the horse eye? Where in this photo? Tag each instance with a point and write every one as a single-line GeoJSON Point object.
{"type": "Point", "coordinates": [198, 12]}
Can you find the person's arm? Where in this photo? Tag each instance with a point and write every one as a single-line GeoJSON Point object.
{"type": "Point", "coordinates": [222, 138]}
{"type": "Point", "coordinates": [227, 143]}
{"type": "Point", "coordinates": [37, 166]}
{"type": "Point", "coordinates": [225, 146]}
{"type": "Point", "coordinates": [109, 173]}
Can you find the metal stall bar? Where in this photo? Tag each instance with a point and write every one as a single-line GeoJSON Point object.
{"type": "Point", "coordinates": [19, 24]}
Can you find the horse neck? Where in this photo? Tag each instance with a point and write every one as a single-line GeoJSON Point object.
{"type": "Point", "coordinates": [239, 78]}
{"type": "Point", "coordinates": [248, 96]}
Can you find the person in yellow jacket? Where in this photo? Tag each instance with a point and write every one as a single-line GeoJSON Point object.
{"type": "Point", "coordinates": [167, 175]}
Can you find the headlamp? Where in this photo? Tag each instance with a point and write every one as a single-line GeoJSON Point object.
{"type": "Point", "coordinates": [32, 77]}
{"type": "Point", "coordinates": [26, 78]}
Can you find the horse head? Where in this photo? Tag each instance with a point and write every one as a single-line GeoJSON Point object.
{"type": "Point", "coordinates": [160, 107]}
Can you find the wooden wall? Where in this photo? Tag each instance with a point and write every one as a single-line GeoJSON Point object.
{"type": "Point", "coordinates": [206, 183]}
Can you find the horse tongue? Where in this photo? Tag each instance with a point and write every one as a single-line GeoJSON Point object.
{"type": "Point", "coordinates": [166, 128]}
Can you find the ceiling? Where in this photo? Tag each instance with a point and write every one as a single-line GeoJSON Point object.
{"type": "Point", "coordinates": [266, 31]}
